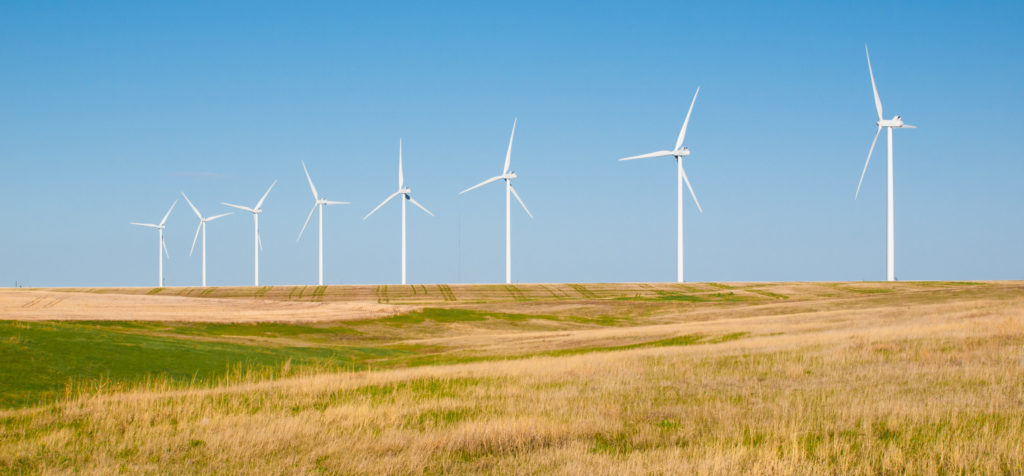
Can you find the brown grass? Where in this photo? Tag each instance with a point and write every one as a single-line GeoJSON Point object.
{"type": "Point", "coordinates": [920, 378]}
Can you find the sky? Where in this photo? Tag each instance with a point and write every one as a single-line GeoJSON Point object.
{"type": "Point", "coordinates": [108, 110]}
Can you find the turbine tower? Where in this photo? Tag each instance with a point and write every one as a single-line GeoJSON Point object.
{"type": "Point", "coordinates": [889, 124]}
{"type": "Point", "coordinates": [202, 226]}
{"type": "Point", "coordinates": [319, 202]}
{"type": "Point", "coordinates": [258, 244]}
{"type": "Point", "coordinates": [509, 191]}
{"type": "Point", "coordinates": [678, 152]}
{"type": "Point", "coordinates": [161, 247]}
{"type": "Point", "coordinates": [406, 193]}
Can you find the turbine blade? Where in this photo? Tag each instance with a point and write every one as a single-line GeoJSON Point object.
{"type": "Point", "coordinates": [312, 187]}
{"type": "Point", "coordinates": [195, 239]}
{"type": "Point", "coordinates": [401, 177]}
{"type": "Point", "coordinates": [878, 101]}
{"type": "Point", "coordinates": [259, 240]}
{"type": "Point", "coordinates": [330, 202]}
{"type": "Point", "coordinates": [386, 200]}
{"type": "Point", "coordinates": [238, 207]}
{"type": "Point", "coordinates": [200, 215]}
{"type": "Point", "coordinates": [694, 195]}
{"type": "Point", "coordinates": [222, 215]}
{"type": "Point", "coordinates": [149, 225]}
{"type": "Point", "coordinates": [660, 153]}
{"type": "Point", "coordinates": [481, 184]}
{"type": "Point", "coordinates": [908, 126]}
{"type": "Point", "coordinates": [682, 132]}
{"type": "Point", "coordinates": [260, 203]}
{"type": "Point", "coordinates": [163, 243]}
{"type": "Point", "coordinates": [866, 162]}
{"type": "Point", "coordinates": [168, 213]}
{"type": "Point", "coordinates": [508, 155]}
{"type": "Point", "coordinates": [414, 202]}
{"type": "Point", "coordinates": [520, 200]}
{"type": "Point", "coordinates": [307, 221]}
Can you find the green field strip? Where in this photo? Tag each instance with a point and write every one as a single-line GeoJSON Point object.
{"type": "Point", "coordinates": [42, 359]}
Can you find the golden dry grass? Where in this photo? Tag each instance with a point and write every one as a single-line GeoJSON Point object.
{"type": "Point", "coordinates": [135, 305]}
{"type": "Point", "coordinates": [915, 378]}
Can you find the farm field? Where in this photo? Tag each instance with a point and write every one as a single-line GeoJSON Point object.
{"type": "Point", "coordinates": [915, 377]}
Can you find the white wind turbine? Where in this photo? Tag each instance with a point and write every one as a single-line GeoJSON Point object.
{"type": "Point", "coordinates": [258, 244]}
{"type": "Point", "coordinates": [507, 176]}
{"type": "Point", "coordinates": [895, 123]}
{"type": "Point", "coordinates": [202, 226]}
{"type": "Point", "coordinates": [161, 247]}
{"type": "Point", "coordinates": [405, 192]}
{"type": "Point", "coordinates": [320, 203]}
{"type": "Point", "coordinates": [678, 152]}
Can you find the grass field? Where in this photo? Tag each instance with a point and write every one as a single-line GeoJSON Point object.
{"type": "Point", "coordinates": [793, 378]}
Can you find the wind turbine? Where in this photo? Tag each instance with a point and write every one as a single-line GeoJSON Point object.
{"type": "Point", "coordinates": [405, 192]}
{"type": "Point", "coordinates": [320, 203]}
{"type": "Point", "coordinates": [895, 123]}
{"type": "Point", "coordinates": [509, 191]}
{"type": "Point", "coordinates": [161, 247]}
{"type": "Point", "coordinates": [678, 152]}
{"type": "Point", "coordinates": [202, 226]}
{"type": "Point", "coordinates": [258, 245]}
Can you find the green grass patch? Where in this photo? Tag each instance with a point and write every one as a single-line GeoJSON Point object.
{"type": "Point", "coordinates": [42, 359]}
{"type": "Point", "coordinates": [422, 389]}
{"type": "Point", "coordinates": [728, 337]}
{"type": "Point", "coordinates": [209, 329]}
{"type": "Point", "coordinates": [689, 339]}
{"type": "Point", "coordinates": [429, 314]}
{"type": "Point", "coordinates": [767, 293]}
{"type": "Point", "coordinates": [670, 296]}
{"type": "Point", "coordinates": [948, 283]}
{"type": "Point", "coordinates": [441, 418]}
{"type": "Point", "coordinates": [861, 290]}
{"type": "Point", "coordinates": [444, 315]}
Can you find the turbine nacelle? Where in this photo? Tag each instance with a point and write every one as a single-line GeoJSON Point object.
{"type": "Point", "coordinates": [509, 176]}
{"type": "Point", "coordinates": [257, 209]}
{"type": "Point", "coordinates": [895, 122]}
{"type": "Point", "coordinates": [678, 151]}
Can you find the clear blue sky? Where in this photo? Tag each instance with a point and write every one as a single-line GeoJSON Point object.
{"type": "Point", "coordinates": [109, 109]}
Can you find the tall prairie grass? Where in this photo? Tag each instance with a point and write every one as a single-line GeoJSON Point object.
{"type": "Point", "coordinates": [903, 387]}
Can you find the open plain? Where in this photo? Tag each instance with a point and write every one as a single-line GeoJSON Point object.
{"type": "Point", "coordinates": [791, 378]}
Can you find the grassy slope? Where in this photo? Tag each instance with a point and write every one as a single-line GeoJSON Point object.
{"type": "Point", "coordinates": [47, 359]}
{"type": "Point", "coordinates": [842, 378]}
{"type": "Point", "coordinates": [41, 359]}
